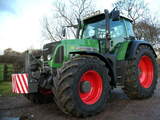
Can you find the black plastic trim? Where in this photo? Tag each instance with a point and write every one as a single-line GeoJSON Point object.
{"type": "Point", "coordinates": [59, 57]}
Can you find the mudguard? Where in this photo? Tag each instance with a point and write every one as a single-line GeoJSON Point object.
{"type": "Point", "coordinates": [131, 52]}
{"type": "Point", "coordinates": [108, 59]}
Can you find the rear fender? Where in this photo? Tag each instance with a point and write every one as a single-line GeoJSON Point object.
{"type": "Point", "coordinates": [133, 46]}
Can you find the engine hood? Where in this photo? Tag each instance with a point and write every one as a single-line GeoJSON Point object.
{"type": "Point", "coordinates": [81, 45]}
{"type": "Point", "coordinates": [61, 52]}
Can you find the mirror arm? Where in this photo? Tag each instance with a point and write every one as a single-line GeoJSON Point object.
{"type": "Point", "coordinates": [108, 38]}
{"type": "Point", "coordinates": [63, 31]}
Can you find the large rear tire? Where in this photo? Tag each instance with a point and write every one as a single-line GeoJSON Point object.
{"type": "Point", "coordinates": [82, 88]}
{"type": "Point", "coordinates": [142, 74]}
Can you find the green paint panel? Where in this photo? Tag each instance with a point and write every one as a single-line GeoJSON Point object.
{"type": "Point", "coordinates": [74, 45]}
{"type": "Point", "coordinates": [121, 50]}
{"type": "Point", "coordinates": [86, 45]}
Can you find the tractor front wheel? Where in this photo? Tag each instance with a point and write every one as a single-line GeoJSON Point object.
{"type": "Point", "coordinates": [82, 87]}
{"type": "Point", "coordinates": [142, 74]}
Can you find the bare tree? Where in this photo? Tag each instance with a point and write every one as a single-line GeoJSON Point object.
{"type": "Point", "coordinates": [51, 31]}
{"type": "Point", "coordinates": [145, 25]}
{"type": "Point", "coordinates": [69, 14]}
{"type": "Point", "coordinates": [134, 9]}
{"type": "Point", "coordinates": [148, 29]}
{"type": "Point", "coordinates": [11, 52]}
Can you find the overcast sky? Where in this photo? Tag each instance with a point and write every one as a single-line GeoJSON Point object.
{"type": "Point", "coordinates": [20, 26]}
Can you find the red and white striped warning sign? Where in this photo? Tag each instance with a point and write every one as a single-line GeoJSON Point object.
{"type": "Point", "coordinates": [20, 83]}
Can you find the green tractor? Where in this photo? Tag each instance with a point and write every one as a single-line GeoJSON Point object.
{"type": "Point", "coordinates": [79, 74]}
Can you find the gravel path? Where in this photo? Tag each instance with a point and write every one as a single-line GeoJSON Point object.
{"type": "Point", "coordinates": [119, 108]}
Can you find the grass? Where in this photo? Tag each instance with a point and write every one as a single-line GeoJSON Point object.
{"type": "Point", "coordinates": [6, 88]}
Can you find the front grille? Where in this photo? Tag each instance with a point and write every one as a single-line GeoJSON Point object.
{"type": "Point", "coordinates": [59, 57]}
{"type": "Point", "coordinates": [48, 49]}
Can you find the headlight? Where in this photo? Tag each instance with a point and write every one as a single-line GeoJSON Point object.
{"type": "Point", "coordinates": [49, 57]}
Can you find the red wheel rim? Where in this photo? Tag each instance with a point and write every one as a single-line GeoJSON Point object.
{"type": "Point", "coordinates": [96, 87]}
{"type": "Point", "coordinates": [146, 71]}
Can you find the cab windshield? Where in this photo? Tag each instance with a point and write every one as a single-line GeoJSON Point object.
{"type": "Point", "coordinates": [95, 30]}
{"type": "Point", "coordinates": [118, 29]}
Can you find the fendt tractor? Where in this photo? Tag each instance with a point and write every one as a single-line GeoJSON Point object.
{"type": "Point", "coordinates": [79, 74]}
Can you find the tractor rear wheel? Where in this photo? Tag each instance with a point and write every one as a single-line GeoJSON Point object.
{"type": "Point", "coordinates": [82, 88]}
{"type": "Point", "coordinates": [142, 74]}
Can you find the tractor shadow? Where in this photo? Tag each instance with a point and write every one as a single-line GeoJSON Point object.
{"type": "Point", "coordinates": [118, 104]}
{"type": "Point", "coordinates": [118, 100]}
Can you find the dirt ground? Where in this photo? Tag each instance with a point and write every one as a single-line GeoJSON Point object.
{"type": "Point", "coordinates": [119, 108]}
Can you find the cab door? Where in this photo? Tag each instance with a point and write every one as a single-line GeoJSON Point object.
{"type": "Point", "coordinates": [118, 32]}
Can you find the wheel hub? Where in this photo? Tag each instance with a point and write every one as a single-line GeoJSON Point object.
{"type": "Point", "coordinates": [146, 71]}
{"type": "Point", "coordinates": [85, 86]}
{"type": "Point", "coordinates": [90, 87]}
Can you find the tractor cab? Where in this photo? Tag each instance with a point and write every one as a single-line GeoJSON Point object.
{"type": "Point", "coordinates": [119, 30]}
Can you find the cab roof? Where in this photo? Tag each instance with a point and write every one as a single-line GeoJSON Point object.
{"type": "Point", "coordinates": [100, 16]}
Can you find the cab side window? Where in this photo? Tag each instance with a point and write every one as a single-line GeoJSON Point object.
{"type": "Point", "coordinates": [129, 28]}
{"type": "Point", "coordinates": [117, 29]}
{"type": "Point", "coordinates": [118, 33]}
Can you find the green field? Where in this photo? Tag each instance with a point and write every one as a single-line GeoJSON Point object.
{"type": "Point", "coordinates": [5, 89]}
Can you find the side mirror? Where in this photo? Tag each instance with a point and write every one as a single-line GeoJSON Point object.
{"type": "Point", "coordinates": [63, 31]}
{"type": "Point", "coordinates": [115, 15]}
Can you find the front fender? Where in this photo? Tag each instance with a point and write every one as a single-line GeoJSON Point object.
{"type": "Point", "coordinates": [101, 57]}
{"type": "Point", "coordinates": [108, 59]}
